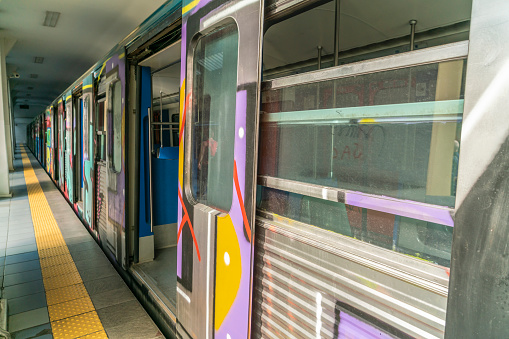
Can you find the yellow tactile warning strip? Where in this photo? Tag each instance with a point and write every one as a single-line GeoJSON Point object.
{"type": "Point", "coordinates": [71, 312]}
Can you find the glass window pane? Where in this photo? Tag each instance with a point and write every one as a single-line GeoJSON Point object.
{"type": "Point", "coordinates": [425, 240]}
{"type": "Point", "coordinates": [166, 105]}
{"type": "Point", "coordinates": [394, 133]}
{"type": "Point", "coordinates": [117, 126]}
{"type": "Point", "coordinates": [100, 151]}
{"type": "Point", "coordinates": [213, 121]}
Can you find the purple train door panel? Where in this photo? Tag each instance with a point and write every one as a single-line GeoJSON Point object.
{"type": "Point", "coordinates": [220, 78]}
{"type": "Point", "coordinates": [110, 157]}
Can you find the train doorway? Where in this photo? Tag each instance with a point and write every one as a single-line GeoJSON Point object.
{"type": "Point", "coordinates": [159, 101]}
{"type": "Point", "coordinates": [77, 107]}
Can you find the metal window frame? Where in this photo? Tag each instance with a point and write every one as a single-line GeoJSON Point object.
{"type": "Point", "coordinates": [405, 208]}
{"type": "Point", "coordinates": [211, 28]}
{"type": "Point", "coordinates": [448, 52]}
{"type": "Point", "coordinates": [114, 127]}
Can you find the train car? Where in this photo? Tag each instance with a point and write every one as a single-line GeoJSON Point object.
{"type": "Point", "coordinates": [297, 168]}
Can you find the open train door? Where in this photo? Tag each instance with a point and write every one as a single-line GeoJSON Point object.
{"type": "Point", "coordinates": [109, 155]}
{"type": "Point", "coordinates": [219, 128]}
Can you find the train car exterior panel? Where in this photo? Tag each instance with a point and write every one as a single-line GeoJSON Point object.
{"type": "Point", "coordinates": [218, 193]}
{"type": "Point", "coordinates": [88, 151]}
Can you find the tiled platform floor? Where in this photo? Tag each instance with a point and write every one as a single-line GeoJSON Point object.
{"type": "Point", "coordinates": [120, 313]}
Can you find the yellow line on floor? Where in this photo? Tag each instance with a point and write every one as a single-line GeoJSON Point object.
{"type": "Point", "coordinates": [71, 312]}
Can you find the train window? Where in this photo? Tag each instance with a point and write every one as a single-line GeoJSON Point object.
{"type": "Point", "coordinates": [166, 105]}
{"type": "Point", "coordinates": [100, 130]}
{"type": "Point", "coordinates": [86, 120]}
{"type": "Point", "coordinates": [117, 126]}
{"type": "Point", "coordinates": [304, 40]}
{"type": "Point", "coordinates": [214, 90]}
{"type": "Point", "coordinates": [428, 241]}
{"type": "Point", "coordinates": [394, 133]}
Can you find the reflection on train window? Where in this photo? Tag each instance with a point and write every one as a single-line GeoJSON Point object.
{"type": "Point", "coordinates": [422, 239]}
{"type": "Point", "coordinates": [367, 30]}
{"type": "Point", "coordinates": [117, 126]}
{"type": "Point", "coordinates": [213, 120]}
{"type": "Point", "coordinates": [394, 133]}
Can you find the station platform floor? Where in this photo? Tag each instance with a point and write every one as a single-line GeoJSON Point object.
{"type": "Point", "coordinates": [57, 281]}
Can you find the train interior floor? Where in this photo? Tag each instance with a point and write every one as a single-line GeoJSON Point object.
{"type": "Point", "coordinates": [161, 274]}
{"type": "Point", "coordinates": [56, 279]}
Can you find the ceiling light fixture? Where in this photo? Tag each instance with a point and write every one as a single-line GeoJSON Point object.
{"type": "Point", "coordinates": [51, 19]}
{"type": "Point", "coordinates": [34, 76]}
{"type": "Point", "coordinates": [38, 60]}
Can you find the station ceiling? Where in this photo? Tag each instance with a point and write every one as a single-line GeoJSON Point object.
{"type": "Point", "coordinates": [85, 31]}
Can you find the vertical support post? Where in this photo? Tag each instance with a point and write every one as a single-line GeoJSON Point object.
{"type": "Point", "coordinates": [161, 118]}
{"type": "Point", "coordinates": [336, 63]}
{"type": "Point", "coordinates": [319, 48]}
{"type": "Point", "coordinates": [336, 33]}
{"type": "Point", "coordinates": [5, 128]}
{"type": "Point", "coordinates": [150, 166]}
{"type": "Point", "coordinates": [412, 33]}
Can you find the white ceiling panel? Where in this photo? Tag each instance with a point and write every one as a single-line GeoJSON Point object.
{"type": "Point", "coordinates": [86, 31]}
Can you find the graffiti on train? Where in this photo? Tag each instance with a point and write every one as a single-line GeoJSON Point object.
{"type": "Point", "coordinates": [358, 142]}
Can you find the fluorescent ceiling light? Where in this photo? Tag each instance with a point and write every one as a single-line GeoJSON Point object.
{"type": "Point", "coordinates": [51, 19]}
{"type": "Point", "coordinates": [38, 60]}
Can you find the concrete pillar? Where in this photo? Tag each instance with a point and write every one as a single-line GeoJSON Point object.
{"type": "Point", "coordinates": [12, 122]}
{"type": "Point", "coordinates": [6, 155]}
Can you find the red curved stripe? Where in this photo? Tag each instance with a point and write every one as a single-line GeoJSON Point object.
{"type": "Point", "coordinates": [185, 219]}
{"type": "Point", "coordinates": [186, 103]}
{"type": "Point", "coordinates": [241, 202]}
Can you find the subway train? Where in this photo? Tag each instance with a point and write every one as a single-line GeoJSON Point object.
{"type": "Point", "coordinates": [298, 168]}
